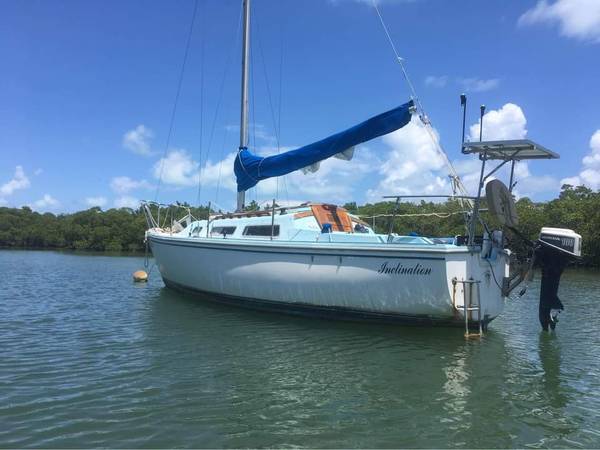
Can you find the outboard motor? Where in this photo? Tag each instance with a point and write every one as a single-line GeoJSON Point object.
{"type": "Point", "coordinates": [553, 251]}
{"type": "Point", "coordinates": [555, 248]}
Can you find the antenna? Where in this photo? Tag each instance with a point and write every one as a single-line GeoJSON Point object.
{"type": "Point", "coordinates": [482, 108]}
{"type": "Point", "coordinates": [463, 103]}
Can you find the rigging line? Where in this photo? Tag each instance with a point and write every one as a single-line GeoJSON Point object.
{"type": "Point", "coordinates": [440, 215]}
{"type": "Point", "coordinates": [220, 99]}
{"type": "Point", "coordinates": [398, 57]}
{"type": "Point", "coordinates": [427, 123]}
{"type": "Point", "coordinates": [285, 187]}
{"type": "Point", "coordinates": [221, 165]}
{"type": "Point", "coordinates": [268, 85]}
{"type": "Point", "coordinates": [255, 190]}
{"type": "Point", "coordinates": [220, 209]}
{"type": "Point", "coordinates": [202, 45]}
{"type": "Point", "coordinates": [178, 91]}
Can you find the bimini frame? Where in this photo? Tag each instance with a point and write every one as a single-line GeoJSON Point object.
{"type": "Point", "coordinates": [504, 151]}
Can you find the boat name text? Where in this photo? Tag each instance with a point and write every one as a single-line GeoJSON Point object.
{"type": "Point", "coordinates": [400, 269]}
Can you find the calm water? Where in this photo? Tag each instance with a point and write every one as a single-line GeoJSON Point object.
{"type": "Point", "coordinates": [87, 358]}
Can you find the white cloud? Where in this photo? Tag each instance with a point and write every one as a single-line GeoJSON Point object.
{"type": "Point", "coordinates": [123, 184]}
{"type": "Point", "coordinates": [177, 168]}
{"type": "Point", "coordinates": [331, 181]}
{"type": "Point", "coordinates": [138, 140]}
{"type": "Point", "coordinates": [335, 180]}
{"type": "Point", "coordinates": [46, 202]}
{"type": "Point", "coordinates": [590, 171]}
{"type": "Point", "coordinates": [593, 159]}
{"type": "Point", "coordinates": [507, 122]}
{"type": "Point", "coordinates": [468, 170]}
{"type": "Point", "coordinates": [413, 164]}
{"type": "Point", "coordinates": [573, 181]}
{"type": "Point", "coordinates": [127, 201]}
{"type": "Point", "coordinates": [267, 204]}
{"type": "Point", "coordinates": [38, 172]}
{"type": "Point", "coordinates": [96, 201]}
{"type": "Point", "coordinates": [478, 85]}
{"type": "Point", "coordinates": [579, 19]}
{"type": "Point", "coordinates": [529, 185]}
{"type": "Point", "coordinates": [436, 81]}
{"type": "Point", "coordinates": [18, 181]}
{"type": "Point", "coordinates": [181, 170]}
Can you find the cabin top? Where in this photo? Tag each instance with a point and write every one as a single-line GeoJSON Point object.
{"type": "Point", "coordinates": [338, 218]}
{"type": "Point", "coordinates": [311, 222]}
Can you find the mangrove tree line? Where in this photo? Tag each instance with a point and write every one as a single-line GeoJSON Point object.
{"type": "Point", "coordinates": [123, 229]}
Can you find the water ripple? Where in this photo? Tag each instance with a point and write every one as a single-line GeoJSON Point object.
{"type": "Point", "coordinates": [100, 361]}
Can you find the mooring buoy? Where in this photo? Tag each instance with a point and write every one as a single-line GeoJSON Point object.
{"type": "Point", "coordinates": [140, 276]}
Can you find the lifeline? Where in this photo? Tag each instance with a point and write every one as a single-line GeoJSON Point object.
{"type": "Point", "coordinates": [399, 269]}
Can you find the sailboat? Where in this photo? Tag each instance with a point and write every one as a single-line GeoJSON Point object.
{"type": "Point", "coordinates": [317, 259]}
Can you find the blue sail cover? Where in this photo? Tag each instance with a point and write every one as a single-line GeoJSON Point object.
{"type": "Point", "coordinates": [250, 169]}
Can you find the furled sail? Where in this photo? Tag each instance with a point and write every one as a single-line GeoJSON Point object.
{"type": "Point", "coordinates": [250, 169]}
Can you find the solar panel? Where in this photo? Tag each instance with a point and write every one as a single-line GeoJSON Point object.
{"type": "Point", "coordinates": [517, 150]}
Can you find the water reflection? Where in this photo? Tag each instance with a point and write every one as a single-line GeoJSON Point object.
{"type": "Point", "coordinates": [111, 363]}
{"type": "Point", "coordinates": [549, 349]}
{"type": "Point", "coordinates": [296, 381]}
{"type": "Point", "coordinates": [290, 378]}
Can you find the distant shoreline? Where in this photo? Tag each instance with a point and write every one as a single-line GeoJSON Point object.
{"type": "Point", "coordinates": [121, 231]}
{"type": "Point", "coordinates": [76, 251]}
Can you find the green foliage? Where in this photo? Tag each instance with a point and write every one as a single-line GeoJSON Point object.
{"type": "Point", "coordinates": [577, 208]}
{"type": "Point", "coordinates": [93, 229]}
{"type": "Point", "coordinates": [252, 206]}
{"type": "Point", "coordinates": [444, 219]}
{"type": "Point", "coordinates": [123, 229]}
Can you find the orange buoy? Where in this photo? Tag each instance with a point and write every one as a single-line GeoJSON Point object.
{"type": "Point", "coordinates": [139, 276]}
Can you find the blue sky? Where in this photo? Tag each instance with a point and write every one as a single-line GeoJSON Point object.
{"type": "Point", "coordinates": [87, 90]}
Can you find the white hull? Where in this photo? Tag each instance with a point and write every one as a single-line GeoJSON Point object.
{"type": "Point", "coordinates": [336, 280]}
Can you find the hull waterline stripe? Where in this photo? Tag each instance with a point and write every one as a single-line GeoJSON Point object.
{"type": "Point", "coordinates": [308, 252]}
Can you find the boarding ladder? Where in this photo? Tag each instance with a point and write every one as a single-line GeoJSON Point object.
{"type": "Point", "coordinates": [469, 305]}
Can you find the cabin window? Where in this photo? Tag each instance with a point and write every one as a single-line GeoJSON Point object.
{"type": "Point", "coordinates": [196, 231]}
{"type": "Point", "coordinates": [261, 230]}
{"type": "Point", "coordinates": [222, 231]}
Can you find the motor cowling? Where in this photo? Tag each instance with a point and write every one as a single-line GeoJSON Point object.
{"type": "Point", "coordinates": [555, 248]}
{"type": "Point", "coordinates": [562, 239]}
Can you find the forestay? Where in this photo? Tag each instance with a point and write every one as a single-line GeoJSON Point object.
{"type": "Point", "coordinates": [250, 169]}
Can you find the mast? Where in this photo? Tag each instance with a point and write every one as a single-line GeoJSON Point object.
{"type": "Point", "coordinates": [241, 196]}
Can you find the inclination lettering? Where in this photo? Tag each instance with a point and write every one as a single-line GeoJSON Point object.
{"type": "Point", "coordinates": [400, 269]}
